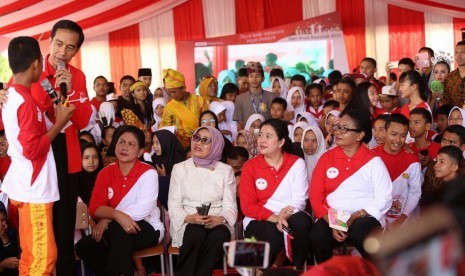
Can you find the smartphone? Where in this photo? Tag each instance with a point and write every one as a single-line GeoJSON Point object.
{"type": "Point", "coordinates": [248, 254]}
{"type": "Point", "coordinates": [393, 64]}
{"type": "Point", "coordinates": [287, 229]}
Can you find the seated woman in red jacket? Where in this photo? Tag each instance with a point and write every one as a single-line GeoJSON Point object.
{"type": "Point", "coordinates": [124, 200]}
{"type": "Point", "coordinates": [349, 178]}
{"type": "Point", "coordinates": [273, 194]}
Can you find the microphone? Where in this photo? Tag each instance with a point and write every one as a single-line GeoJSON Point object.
{"type": "Point", "coordinates": [63, 90]}
{"type": "Point", "coordinates": [47, 86]}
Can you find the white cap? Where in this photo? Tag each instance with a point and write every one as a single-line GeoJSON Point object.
{"type": "Point", "coordinates": [388, 90]}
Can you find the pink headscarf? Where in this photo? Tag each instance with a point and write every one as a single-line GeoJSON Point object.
{"type": "Point", "coordinates": [216, 150]}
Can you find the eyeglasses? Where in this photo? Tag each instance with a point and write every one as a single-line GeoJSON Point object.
{"type": "Point", "coordinates": [455, 119]}
{"type": "Point", "coordinates": [204, 121]}
{"type": "Point", "coordinates": [203, 140]}
{"type": "Point", "coordinates": [344, 129]}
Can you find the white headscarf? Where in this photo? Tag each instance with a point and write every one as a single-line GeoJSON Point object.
{"type": "Point", "coordinates": [461, 111]}
{"type": "Point", "coordinates": [229, 110]}
{"type": "Point", "coordinates": [155, 103]}
{"type": "Point", "coordinates": [283, 93]}
{"type": "Point", "coordinates": [252, 119]}
{"type": "Point", "coordinates": [301, 107]}
{"type": "Point", "coordinates": [312, 160]}
{"type": "Point", "coordinates": [216, 107]}
{"type": "Point", "coordinates": [310, 119]}
{"type": "Point", "coordinates": [107, 111]}
{"type": "Point", "coordinates": [302, 125]}
{"type": "Point", "coordinates": [333, 112]}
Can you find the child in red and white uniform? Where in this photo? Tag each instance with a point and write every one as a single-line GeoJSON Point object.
{"type": "Point", "coordinates": [314, 105]}
{"type": "Point", "coordinates": [31, 182]}
{"type": "Point", "coordinates": [404, 169]}
{"type": "Point", "coordinates": [420, 122]}
{"type": "Point", "coordinates": [411, 88]}
{"type": "Point", "coordinates": [273, 194]}
{"type": "Point", "coordinates": [387, 101]}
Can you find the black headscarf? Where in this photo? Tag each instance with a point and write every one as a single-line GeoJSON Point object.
{"type": "Point", "coordinates": [171, 150]}
{"type": "Point", "coordinates": [86, 179]}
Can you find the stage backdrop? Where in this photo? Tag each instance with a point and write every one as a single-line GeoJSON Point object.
{"type": "Point", "coordinates": [386, 30]}
{"type": "Point", "coordinates": [313, 45]}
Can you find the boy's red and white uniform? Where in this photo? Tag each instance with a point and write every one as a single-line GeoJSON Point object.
{"type": "Point", "coordinates": [134, 194]}
{"type": "Point", "coordinates": [32, 175]}
{"type": "Point", "coordinates": [270, 190]}
{"type": "Point", "coordinates": [316, 113]}
{"type": "Point", "coordinates": [405, 171]}
{"type": "Point", "coordinates": [351, 184]}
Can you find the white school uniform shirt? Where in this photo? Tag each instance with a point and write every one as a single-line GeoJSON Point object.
{"type": "Point", "coordinates": [32, 175]}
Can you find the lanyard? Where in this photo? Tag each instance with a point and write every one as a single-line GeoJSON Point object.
{"type": "Point", "coordinates": [257, 110]}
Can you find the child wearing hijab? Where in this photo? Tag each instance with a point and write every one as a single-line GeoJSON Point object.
{"type": "Point", "coordinates": [224, 126]}
{"type": "Point", "coordinates": [158, 106]}
{"type": "Point", "coordinates": [278, 87]}
{"type": "Point", "coordinates": [251, 133]}
{"type": "Point", "coordinates": [313, 146]}
{"type": "Point", "coordinates": [329, 122]}
{"type": "Point", "coordinates": [231, 124]}
{"type": "Point", "coordinates": [167, 152]}
{"type": "Point", "coordinates": [92, 164]}
{"type": "Point", "coordinates": [297, 132]}
{"type": "Point", "coordinates": [295, 101]}
{"type": "Point", "coordinates": [307, 117]}
{"type": "Point", "coordinates": [456, 116]}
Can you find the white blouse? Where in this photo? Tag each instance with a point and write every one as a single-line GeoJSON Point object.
{"type": "Point", "coordinates": [192, 186]}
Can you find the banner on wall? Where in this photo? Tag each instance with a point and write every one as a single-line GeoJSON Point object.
{"type": "Point", "coordinates": [311, 47]}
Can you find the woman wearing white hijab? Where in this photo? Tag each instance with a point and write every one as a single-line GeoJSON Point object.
{"type": "Point", "coordinates": [228, 124]}
{"type": "Point", "coordinates": [296, 101]}
{"type": "Point", "coordinates": [297, 135]}
{"type": "Point", "coordinates": [282, 91]}
{"type": "Point", "coordinates": [251, 123]}
{"type": "Point", "coordinates": [157, 113]}
{"type": "Point", "coordinates": [313, 146]}
{"type": "Point", "coordinates": [310, 120]}
{"type": "Point", "coordinates": [456, 116]}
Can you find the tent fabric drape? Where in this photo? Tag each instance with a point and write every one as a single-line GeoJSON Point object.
{"type": "Point", "coordinates": [313, 8]}
{"type": "Point", "coordinates": [188, 21]}
{"type": "Point", "coordinates": [125, 52]}
{"type": "Point", "coordinates": [282, 12]}
{"type": "Point", "coordinates": [376, 33]}
{"type": "Point", "coordinates": [406, 32]}
{"type": "Point", "coordinates": [439, 32]}
{"type": "Point", "coordinates": [250, 16]}
{"type": "Point", "coordinates": [158, 48]}
{"type": "Point", "coordinates": [95, 60]}
{"type": "Point", "coordinates": [353, 24]}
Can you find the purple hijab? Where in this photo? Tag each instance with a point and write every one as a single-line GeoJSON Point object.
{"type": "Point", "coordinates": [215, 151]}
